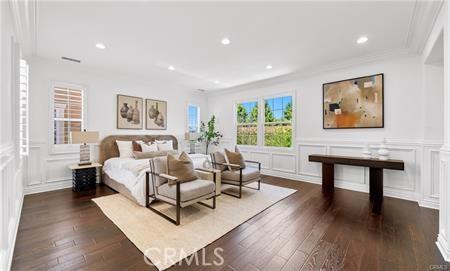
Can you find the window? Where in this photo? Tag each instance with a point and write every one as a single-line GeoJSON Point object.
{"type": "Point", "coordinates": [193, 118]}
{"type": "Point", "coordinates": [68, 116]}
{"type": "Point", "coordinates": [23, 108]}
{"type": "Point", "coordinates": [278, 122]}
{"type": "Point", "coordinates": [247, 123]}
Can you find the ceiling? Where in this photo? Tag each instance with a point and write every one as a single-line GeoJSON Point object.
{"type": "Point", "coordinates": [144, 38]}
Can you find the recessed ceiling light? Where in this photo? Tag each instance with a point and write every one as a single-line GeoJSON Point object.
{"type": "Point", "coordinates": [269, 67]}
{"type": "Point", "coordinates": [362, 40]}
{"type": "Point", "coordinates": [100, 46]}
{"type": "Point", "coordinates": [171, 68]}
{"type": "Point", "coordinates": [216, 82]}
{"type": "Point", "coordinates": [226, 41]}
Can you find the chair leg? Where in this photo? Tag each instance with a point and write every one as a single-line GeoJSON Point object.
{"type": "Point", "coordinates": [178, 203]}
{"type": "Point", "coordinates": [207, 205]}
{"type": "Point", "coordinates": [259, 184]}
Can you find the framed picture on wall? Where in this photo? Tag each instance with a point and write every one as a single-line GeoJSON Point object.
{"type": "Point", "coordinates": [354, 103]}
{"type": "Point", "coordinates": [155, 114]}
{"type": "Point", "coordinates": [129, 112]}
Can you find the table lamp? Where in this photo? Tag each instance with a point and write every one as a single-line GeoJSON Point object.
{"type": "Point", "coordinates": [84, 138]}
{"type": "Point", "coordinates": [192, 138]}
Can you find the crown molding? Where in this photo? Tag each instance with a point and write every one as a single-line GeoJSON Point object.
{"type": "Point", "coordinates": [421, 24]}
{"type": "Point", "coordinates": [312, 71]}
{"type": "Point", "coordinates": [24, 16]}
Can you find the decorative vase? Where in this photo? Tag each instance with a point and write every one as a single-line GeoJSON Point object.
{"type": "Point", "coordinates": [152, 112]}
{"type": "Point", "coordinates": [124, 110]}
{"type": "Point", "coordinates": [159, 120]}
{"type": "Point", "coordinates": [130, 114]}
{"type": "Point", "coordinates": [383, 152]}
{"type": "Point", "coordinates": [366, 152]}
{"type": "Point", "coordinates": [136, 114]}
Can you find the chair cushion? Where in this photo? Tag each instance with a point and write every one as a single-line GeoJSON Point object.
{"type": "Point", "coordinates": [160, 167]}
{"type": "Point", "coordinates": [188, 190]}
{"type": "Point", "coordinates": [248, 174]}
{"type": "Point", "coordinates": [182, 168]}
{"type": "Point", "coordinates": [219, 157]}
{"type": "Point", "coordinates": [235, 158]}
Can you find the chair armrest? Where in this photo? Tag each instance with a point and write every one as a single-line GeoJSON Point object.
{"type": "Point", "coordinates": [227, 164]}
{"type": "Point", "coordinates": [205, 174]}
{"type": "Point", "coordinates": [254, 162]}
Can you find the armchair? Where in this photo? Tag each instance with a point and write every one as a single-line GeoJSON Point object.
{"type": "Point", "coordinates": [170, 190]}
{"type": "Point", "coordinates": [236, 175]}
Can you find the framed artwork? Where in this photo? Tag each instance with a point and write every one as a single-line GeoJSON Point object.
{"type": "Point", "coordinates": [354, 103]}
{"type": "Point", "coordinates": [155, 114]}
{"type": "Point", "coordinates": [129, 112]}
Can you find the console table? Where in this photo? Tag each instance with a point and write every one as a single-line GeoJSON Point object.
{"type": "Point", "coordinates": [376, 167]}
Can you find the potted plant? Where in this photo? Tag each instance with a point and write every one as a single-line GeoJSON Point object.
{"type": "Point", "coordinates": [208, 133]}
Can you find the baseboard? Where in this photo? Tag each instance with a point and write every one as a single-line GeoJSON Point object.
{"type": "Point", "coordinates": [346, 185]}
{"type": "Point", "coordinates": [442, 244]}
{"type": "Point", "coordinates": [10, 253]}
{"type": "Point", "coordinates": [47, 187]}
{"type": "Point", "coordinates": [432, 204]}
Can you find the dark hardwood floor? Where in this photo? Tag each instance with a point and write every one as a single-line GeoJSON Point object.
{"type": "Point", "coordinates": [62, 230]}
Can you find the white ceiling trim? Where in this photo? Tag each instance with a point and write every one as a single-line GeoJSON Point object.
{"type": "Point", "coordinates": [24, 15]}
{"type": "Point", "coordinates": [424, 16]}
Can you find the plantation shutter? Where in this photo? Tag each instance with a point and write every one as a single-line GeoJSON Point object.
{"type": "Point", "coordinates": [68, 104]}
{"type": "Point", "coordinates": [23, 108]}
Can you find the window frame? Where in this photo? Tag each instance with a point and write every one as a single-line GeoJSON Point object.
{"type": "Point", "coordinates": [65, 148]}
{"type": "Point", "coordinates": [261, 120]}
{"type": "Point", "coordinates": [198, 116]}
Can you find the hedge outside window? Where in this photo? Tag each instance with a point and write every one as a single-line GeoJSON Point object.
{"type": "Point", "coordinates": [278, 122]}
{"type": "Point", "coordinates": [247, 123]}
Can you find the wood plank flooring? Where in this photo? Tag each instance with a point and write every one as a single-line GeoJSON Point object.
{"type": "Point", "coordinates": [62, 230]}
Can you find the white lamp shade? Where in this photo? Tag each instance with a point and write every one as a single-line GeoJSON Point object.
{"type": "Point", "coordinates": [84, 137]}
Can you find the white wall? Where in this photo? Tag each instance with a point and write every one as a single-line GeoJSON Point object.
{"type": "Point", "coordinates": [11, 192]}
{"type": "Point", "coordinates": [48, 170]}
{"type": "Point", "coordinates": [404, 128]}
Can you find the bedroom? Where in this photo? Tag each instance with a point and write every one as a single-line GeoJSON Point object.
{"type": "Point", "coordinates": [316, 101]}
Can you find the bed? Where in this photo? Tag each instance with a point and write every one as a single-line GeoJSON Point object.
{"type": "Point", "coordinates": [127, 175]}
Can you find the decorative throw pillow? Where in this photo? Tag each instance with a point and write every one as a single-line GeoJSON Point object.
{"type": "Point", "coordinates": [136, 146]}
{"type": "Point", "coordinates": [219, 157]}
{"type": "Point", "coordinates": [125, 149]}
{"type": "Point", "coordinates": [165, 145]}
{"type": "Point", "coordinates": [149, 147]}
{"type": "Point", "coordinates": [235, 158]}
{"type": "Point", "coordinates": [152, 154]}
{"type": "Point", "coordinates": [182, 168]}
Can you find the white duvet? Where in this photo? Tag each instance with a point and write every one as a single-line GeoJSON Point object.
{"type": "Point", "coordinates": [131, 173]}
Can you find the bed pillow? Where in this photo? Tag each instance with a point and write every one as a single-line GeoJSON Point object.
{"type": "Point", "coordinates": [165, 145]}
{"type": "Point", "coordinates": [235, 158]}
{"type": "Point", "coordinates": [136, 146]}
{"type": "Point", "coordinates": [182, 168]}
{"type": "Point", "coordinates": [152, 154]}
{"type": "Point", "coordinates": [149, 147]}
{"type": "Point", "coordinates": [125, 149]}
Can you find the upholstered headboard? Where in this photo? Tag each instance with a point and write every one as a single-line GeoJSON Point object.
{"type": "Point", "coordinates": [108, 146]}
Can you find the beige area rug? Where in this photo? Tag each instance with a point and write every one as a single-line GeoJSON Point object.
{"type": "Point", "coordinates": [166, 244]}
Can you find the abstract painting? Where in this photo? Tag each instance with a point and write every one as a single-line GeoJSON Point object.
{"type": "Point", "coordinates": [129, 112]}
{"type": "Point", "coordinates": [156, 114]}
{"type": "Point", "coordinates": [354, 103]}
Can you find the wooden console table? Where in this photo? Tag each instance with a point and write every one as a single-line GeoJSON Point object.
{"type": "Point", "coordinates": [375, 177]}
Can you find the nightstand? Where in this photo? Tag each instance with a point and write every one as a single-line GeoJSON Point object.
{"type": "Point", "coordinates": [84, 177]}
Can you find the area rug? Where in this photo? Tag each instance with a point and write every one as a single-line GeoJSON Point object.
{"type": "Point", "coordinates": [166, 244]}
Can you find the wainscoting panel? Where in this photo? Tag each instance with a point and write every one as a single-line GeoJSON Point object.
{"type": "Point", "coordinates": [351, 174]}
{"type": "Point", "coordinates": [11, 199]}
{"type": "Point", "coordinates": [304, 166]}
{"type": "Point", "coordinates": [284, 162]}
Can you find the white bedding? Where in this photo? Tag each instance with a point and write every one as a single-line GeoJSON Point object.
{"type": "Point", "coordinates": [131, 173]}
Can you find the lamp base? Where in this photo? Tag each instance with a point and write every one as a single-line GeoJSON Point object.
{"type": "Point", "coordinates": [85, 155]}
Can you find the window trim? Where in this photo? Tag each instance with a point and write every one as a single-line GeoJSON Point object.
{"type": "Point", "coordinates": [261, 120]}
{"type": "Point", "coordinates": [198, 116]}
{"type": "Point", "coordinates": [64, 148]}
